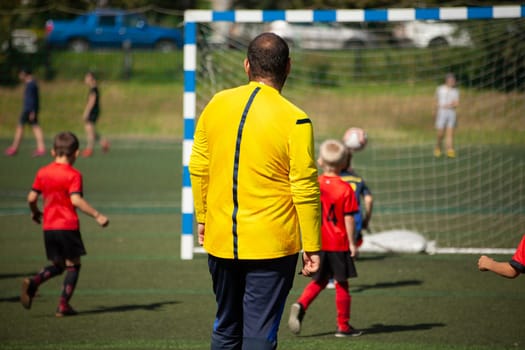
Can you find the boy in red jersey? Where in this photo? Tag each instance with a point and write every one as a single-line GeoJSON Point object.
{"type": "Point", "coordinates": [338, 204]}
{"type": "Point", "coordinates": [61, 187]}
{"type": "Point", "coordinates": [511, 269]}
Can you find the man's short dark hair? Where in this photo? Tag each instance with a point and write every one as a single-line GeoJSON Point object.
{"type": "Point", "coordinates": [65, 144]}
{"type": "Point", "coordinates": [268, 55]}
{"type": "Point", "coordinates": [26, 70]}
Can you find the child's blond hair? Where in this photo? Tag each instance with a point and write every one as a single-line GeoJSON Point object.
{"type": "Point", "coordinates": [332, 155]}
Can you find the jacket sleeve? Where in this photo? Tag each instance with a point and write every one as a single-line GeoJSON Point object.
{"type": "Point", "coordinates": [199, 170]}
{"type": "Point", "coordinates": [304, 184]}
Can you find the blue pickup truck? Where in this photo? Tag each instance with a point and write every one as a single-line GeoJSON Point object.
{"type": "Point", "coordinates": [111, 28]}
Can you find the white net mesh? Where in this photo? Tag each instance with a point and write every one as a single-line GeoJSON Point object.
{"type": "Point", "coordinates": [387, 87]}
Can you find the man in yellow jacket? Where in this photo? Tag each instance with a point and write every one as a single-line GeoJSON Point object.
{"type": "Point", "coordinates": [254, 181]}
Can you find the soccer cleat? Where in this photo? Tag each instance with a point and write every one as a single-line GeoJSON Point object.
{"type": "Point", "coordinates": [351, 332]}
{"type": "Point", "coordinates": [26, 298]}
{"type": "Point", "coordinates": [296, 317]}
{"type": "Point", "coordinates": [65, 310]}
{"type": "Point", "coordinates": [105, 146]}
{"type": "Point", "coordinates": [88, 152]}
{"type": "Point", "coordinates": [437, 152]}
{"type": "Point", "coordinates": [451, 153]}
{"type": "Point", "coordinates": [10, 151]}
{"type": "Point", "coordinates": [39, 153]}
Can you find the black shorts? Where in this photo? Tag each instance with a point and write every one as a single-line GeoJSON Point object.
{"type": "Point", "coordinates": [92, 117]}
{"type": "Point", "coordinates": [63, 244]}
{"type": "Point", "coordinates": [24, 118]}
{"type": "Point", "coordinates": [337, 265]}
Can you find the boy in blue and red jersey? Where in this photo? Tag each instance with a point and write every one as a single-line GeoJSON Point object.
{"type": "Point", "coordinates": [61, 187]}
{"type": "Point", "coordinates": [338, 204]}
{"type": "Point", "coordinates": [363, 196]}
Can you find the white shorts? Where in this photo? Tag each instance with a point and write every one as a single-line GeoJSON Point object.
{"type": "Point", "coordinates": [446, 118]}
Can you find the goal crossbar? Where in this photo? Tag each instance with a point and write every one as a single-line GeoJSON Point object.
{"type": "Point", "coordinates": [193, 17]}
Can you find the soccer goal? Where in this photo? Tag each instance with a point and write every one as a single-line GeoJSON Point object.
{"type": "Point", "coordinates": [380, 73]}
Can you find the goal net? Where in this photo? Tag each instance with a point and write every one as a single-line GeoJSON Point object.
{"type": "Point", "coordinates": [378, 70]}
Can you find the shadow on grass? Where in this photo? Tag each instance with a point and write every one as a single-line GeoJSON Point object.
{"type": "Point", "coordinates": [4, 276]}
{"type": "Point", "coordinates": [126, 308]}
{"type": "Point", "coordinates": [15, 299]}
{"type": "Point", "coordinates": [381, 285]}
{"type": "Point", "coordinates": [383, 328]}
{"type": "Point", "coordinates": [392, 328]}
{"type": "Point", "coordinates": [374, 257]}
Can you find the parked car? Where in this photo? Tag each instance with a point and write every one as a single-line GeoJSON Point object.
{"type": "Point", "coordinates": [111, 28]}
{"type": "Point", "coordinates": [322, 35]}
{"type": "Point", "coordinates": [431, 34]}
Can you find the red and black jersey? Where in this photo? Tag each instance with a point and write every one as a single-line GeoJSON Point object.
{"type": "Point", "coordinates": [57, 182]}
{"type": "Point", "coordinates": [518, 260]}
{"type": "Point", "coordinates": [337, 201]}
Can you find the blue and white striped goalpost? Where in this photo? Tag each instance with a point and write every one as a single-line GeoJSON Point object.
{"type": "Point", "coordinates": [193, 17]}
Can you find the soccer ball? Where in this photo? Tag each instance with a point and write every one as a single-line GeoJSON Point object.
{"type": "Point", "coordinates": [355, 139]}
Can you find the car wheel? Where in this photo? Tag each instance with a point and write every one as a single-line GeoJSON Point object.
{"type": "Point", "coordinates": [354, 44]}
{"type": "Point", "coordinates": [438, 42]}
{"type": "Point", "coordinates": [78, 45]}
{"type": "Point", "coordinates": [165, 45]}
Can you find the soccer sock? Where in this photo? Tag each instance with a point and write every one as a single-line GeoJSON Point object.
{"type": "Point", "coordinates": [342, 302]}
{"type": "Point", "coordinates": [70, 282]}
{"type": "Point", "coordinates": [46, 273]}
{"type": "Point", "coordinates": [311, 291]}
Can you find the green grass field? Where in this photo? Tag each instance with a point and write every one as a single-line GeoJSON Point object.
{"type": "Point", "coordinates": [135, 293]}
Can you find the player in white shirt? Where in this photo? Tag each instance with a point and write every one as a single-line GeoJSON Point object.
{"type": "Point", "coordinates": [447, 100]}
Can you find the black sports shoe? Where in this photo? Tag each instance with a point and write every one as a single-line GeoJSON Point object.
{"type": "Point", "coordinates": [296, 317]}
{"type": "Point", "coordinates": [352, 332]}
{"type": "Point", "coordinates": [26, 297]}
{"type": "Point", "coordinates": [67, 310]}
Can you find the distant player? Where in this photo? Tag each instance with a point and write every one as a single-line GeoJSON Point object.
{"type": "Point", "coordinates": [447, 100]}
{"type": "Point", "coordinates": [511, 269]}
{"type": "Point", "coordinates": [90, 116]}
{"type": "Point", "coordinates": [338, 204]}
{"type": "Point", "coordinates": [61, 186]}
{"type": "Point", "coordinates": [362, 192]}
{"type": "Point", "coordinates": [29, 115]}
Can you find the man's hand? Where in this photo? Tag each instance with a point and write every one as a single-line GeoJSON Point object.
{"type": "Point", "coordinates": [200, 232]}
{"type": "Point", "coordinates": [311, 263]}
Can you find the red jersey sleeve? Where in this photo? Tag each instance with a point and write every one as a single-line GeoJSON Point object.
{"type": "Point", "coordinates": [518, 260]}
{"type": "Point", "coordinates": [75, 185]}
{"type": "Point", "coordinates": [350, 205]}
{"type": "Point", "coordinates": [37, 183]}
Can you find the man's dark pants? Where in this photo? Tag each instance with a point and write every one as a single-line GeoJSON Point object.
{"type": "Point", "coordinates": [250, 295]}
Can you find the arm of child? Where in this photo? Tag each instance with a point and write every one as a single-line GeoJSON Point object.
{"type": "Point", "coordinates": [369, 206]}
{"type": "Point", "coordinates": [350, 231]}
{"type": "Point", "coordinates": [32, 200]}
{"type": "Point", "coordinates": [84, 206]}
{"type": "Point", "coordinates": [501, 268]}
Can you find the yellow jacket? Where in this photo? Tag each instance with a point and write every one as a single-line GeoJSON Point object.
{"type": "Point", "coordinates": [254, 177]}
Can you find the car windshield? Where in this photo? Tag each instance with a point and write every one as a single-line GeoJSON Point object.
{"type": "Point", "coordinates": [134, 20]}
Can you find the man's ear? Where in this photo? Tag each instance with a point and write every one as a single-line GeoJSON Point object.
{"type": "Point", "coordinates": [53, 153]}
{"type": "Point", "coordinates": [246, 66]}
